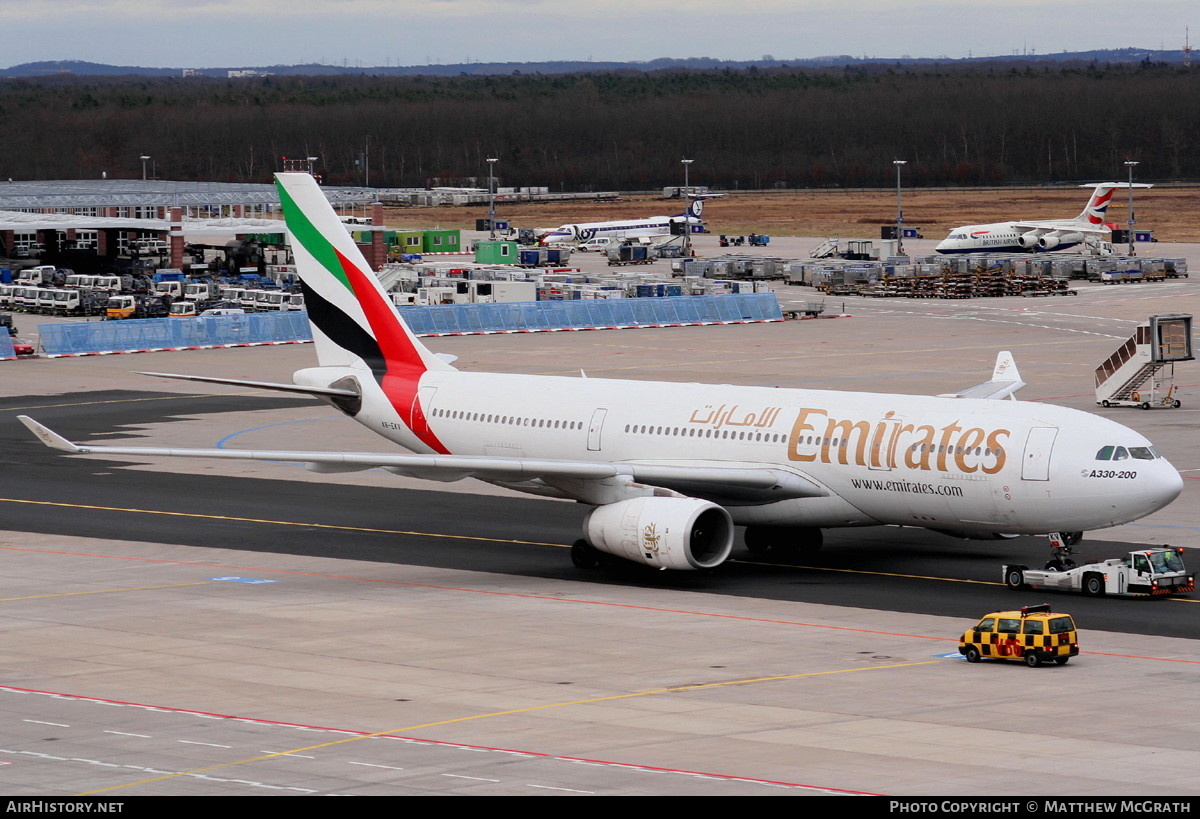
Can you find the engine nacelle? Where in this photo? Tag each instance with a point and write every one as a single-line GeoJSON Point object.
{"type": "Point", "coordinates": [1049, 241]}
{"type": "Point", "coordinates": [1029, 240]}
{"type": "Point", "coordinates": [666, 533]}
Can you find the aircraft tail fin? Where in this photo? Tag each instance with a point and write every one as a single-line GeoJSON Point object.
{"type": "Point", "coordinates": [353, 321]}
{"type": "Point", "coordinates": [1102, 194]}
{"type": "Point", "coordinates": [1004, 383]}
{"type": "Point", "coordinates": [1097, 206]}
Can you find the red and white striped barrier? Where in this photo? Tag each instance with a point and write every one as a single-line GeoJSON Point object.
{"type": "Point", "coordinates": [178, 349]}
{"type": "Point", "coordinates": [597, 327]}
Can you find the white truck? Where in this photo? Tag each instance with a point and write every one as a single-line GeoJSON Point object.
{"type": "Point", "coordinates": [1141, 573]}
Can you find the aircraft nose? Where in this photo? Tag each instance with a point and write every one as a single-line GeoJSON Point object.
{"type": "Point", "coordinates": [1164, 485]}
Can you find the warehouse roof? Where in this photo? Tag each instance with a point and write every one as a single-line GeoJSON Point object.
{"type": "Point", "coordinates": [29, 222]}
{"type": "Point", "coordinates": [99, 193]}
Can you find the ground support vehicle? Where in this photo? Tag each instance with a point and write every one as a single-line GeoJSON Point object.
{"type": "Point", "coordinates": [593, 244]}
{"type": "Point", "coordinates": [74, 302]}
{"type": "Point", "coordinates": [136, 306]}
{"type": "Point", "coordinates": [1141, 373]}
{"type": "Point", "coordinates": [41, 275]}
{"type": "Point", "coordinates": [1141, 573]}
{"type": "Point", "coordinates": [629, 254]}
{"type": "Point", "coordinates": [809, 309]}
{"type": "Point", "coordinates": [212, 307]}
{"type": "Point", "coordinates": [183, 309]}
{"type": "Point", "coordinates": [1034, 634]}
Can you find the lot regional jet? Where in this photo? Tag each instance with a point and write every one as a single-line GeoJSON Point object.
{"type": "Point", "coordinates": [670, 469]}
{"type": "Point", "coordinates": [624, 229]}
{"type": "Point", "coordinates": [1051, 234]}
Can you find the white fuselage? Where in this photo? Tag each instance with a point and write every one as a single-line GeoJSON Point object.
{"type": "Point", "coordinates": [1005, 237]}
{"type": "Point", "coordinates": [616, 230]}
{"type": "Point", "coordinates": [968, 466]}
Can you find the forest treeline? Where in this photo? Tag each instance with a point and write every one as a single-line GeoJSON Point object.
{"type": "Point", "coordinates": [624, 130]}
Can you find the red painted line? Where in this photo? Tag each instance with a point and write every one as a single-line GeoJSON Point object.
{"type": "Point", "coordinates": [437, 742]}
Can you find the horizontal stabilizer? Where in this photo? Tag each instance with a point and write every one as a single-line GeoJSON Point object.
{"type": "Point", "coordinates": [320, 392]}
{"type": "Point", "coordinates": [1005, 381]}
{"type": "Point", "coordinates": [1122, 185]}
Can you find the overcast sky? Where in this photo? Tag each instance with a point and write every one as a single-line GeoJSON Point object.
{"type": "Point", "coordinates": [204, 33]}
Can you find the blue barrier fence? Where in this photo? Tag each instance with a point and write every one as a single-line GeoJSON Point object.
{"type": "Point", "coordinates": [6, 348]}
{"type": "Point", "coordinates": [265, 328]}
{"type": "Point", "coordinates": [555, 315]}
{"type": "Point", "coordinates": [152, 334]}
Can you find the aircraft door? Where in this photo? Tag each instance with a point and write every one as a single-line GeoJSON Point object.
{"type": "Point", "coordinates": [422, 407]}
{"type": "Point", "coordinates": [1035, 465]}
{"type": "Point", "coordinates": [594, 429]}
{"type": "Point", "coordinates": [881, 452]}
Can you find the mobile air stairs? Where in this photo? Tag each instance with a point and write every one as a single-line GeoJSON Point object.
{"type": "Point", "coordinates": [1142, 372]}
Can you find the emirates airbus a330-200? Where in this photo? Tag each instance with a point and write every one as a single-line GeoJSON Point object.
{"type": "Point", "coordinates": [671, 469]}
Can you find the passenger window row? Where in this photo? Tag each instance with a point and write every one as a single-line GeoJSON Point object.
{"type": "Point", "coordinates": [507, 420]}
{"type": "Point", "coordinates": [693, 432]}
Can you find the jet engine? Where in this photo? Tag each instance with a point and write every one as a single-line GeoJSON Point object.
{"type": "Point", "coordinates": [666, 533]}
{"type": "Point", "coordinates": [1029, 240]}
{"type": "Point", "coordinates": [1053, 240]}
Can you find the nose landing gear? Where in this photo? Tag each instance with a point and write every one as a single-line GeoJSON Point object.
{"type": "Point", "coordinates": [1062, 546]}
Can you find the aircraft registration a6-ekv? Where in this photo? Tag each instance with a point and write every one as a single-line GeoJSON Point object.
{"type": "Point", "coordinates": [670, 469]}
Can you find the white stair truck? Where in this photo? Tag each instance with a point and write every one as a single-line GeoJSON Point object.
{"type": "Point", "coordinates": [1142, 372]}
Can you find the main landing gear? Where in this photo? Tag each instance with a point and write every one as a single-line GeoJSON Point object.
{"type": "Point", "coordinates": [783, 543]}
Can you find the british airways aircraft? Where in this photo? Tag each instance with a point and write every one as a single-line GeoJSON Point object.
{"type": "Point", "coordinates": [624, 229]}
{"type": "Point", "coordinates": [669, 469]}
{"type": "Point", "coordinates": [1052, 234]}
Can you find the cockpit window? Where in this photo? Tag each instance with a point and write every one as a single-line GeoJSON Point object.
{"type": "Point", "coordinates": [1120, 453]}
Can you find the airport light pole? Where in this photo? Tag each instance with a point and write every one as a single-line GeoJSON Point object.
{"type": "Point", "coordinates": [144, 160]}
{"type": "Point", "coordinates": [899, 207]}
{"type": "Point", "coordinates": [491, 161]}
{"type": "Point", "coordinates": [687, 197]}
{"type": "Point", "coordinates": [1130, 164]}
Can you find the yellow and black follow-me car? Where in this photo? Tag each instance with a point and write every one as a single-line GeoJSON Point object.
{"type": "Point", "coordinates": [1033, 634]}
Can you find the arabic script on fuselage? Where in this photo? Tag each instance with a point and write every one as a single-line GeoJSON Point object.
{"type": "Point", "coordinates": [734, 416]}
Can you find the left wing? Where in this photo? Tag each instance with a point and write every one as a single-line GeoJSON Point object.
{"type": "Point", "coordinates": [319, 392]}
{"type": "Point", "coordinates": [1069, 226]}
{"type": "Point", "coordinates": [750, 484]}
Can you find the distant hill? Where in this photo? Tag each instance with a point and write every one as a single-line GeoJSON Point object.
{"type": "Point", "coordinates": [79, 68]}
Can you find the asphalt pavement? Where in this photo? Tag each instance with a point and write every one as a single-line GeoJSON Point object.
{"type": "Point", "coordinates": [251, 628]}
